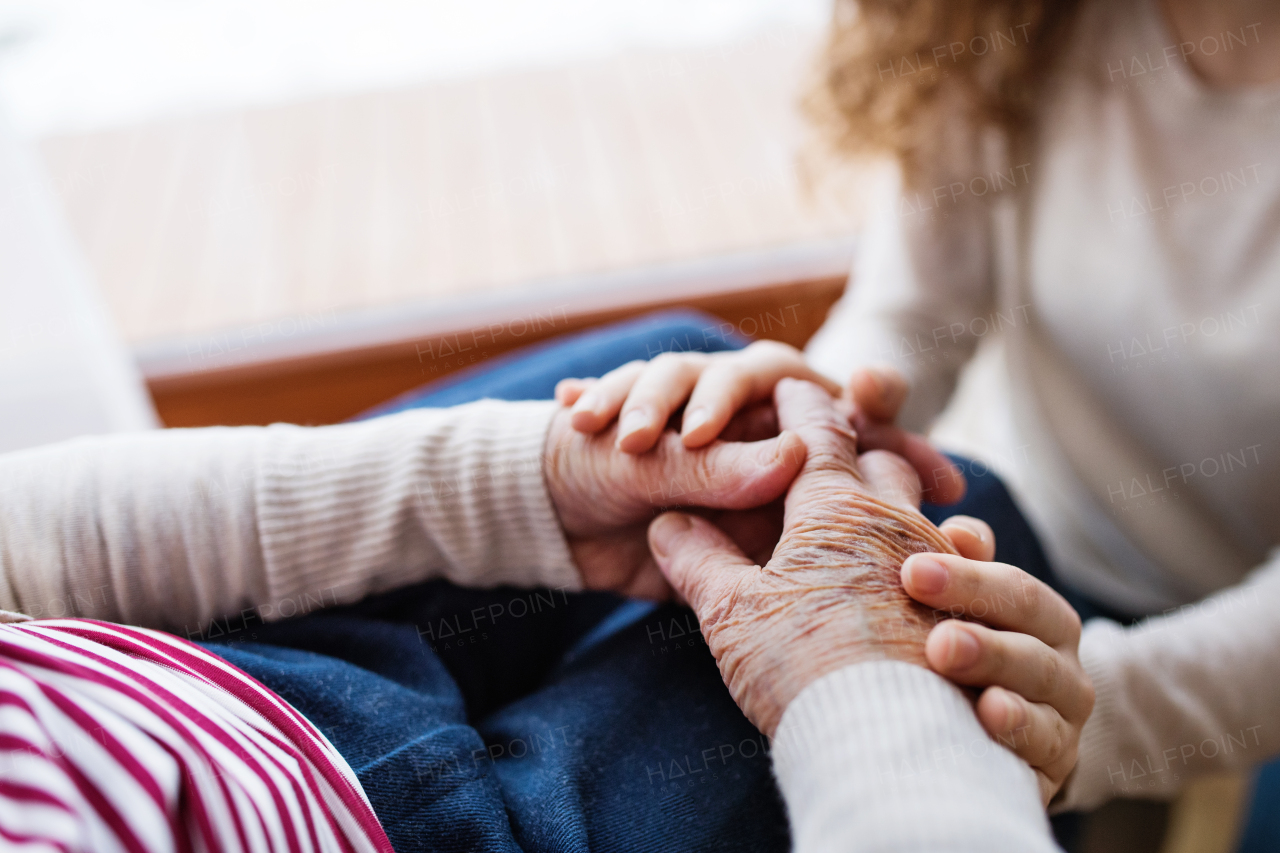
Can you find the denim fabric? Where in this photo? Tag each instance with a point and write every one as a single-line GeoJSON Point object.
{"type": "Point", "coordinates": [510, 719]}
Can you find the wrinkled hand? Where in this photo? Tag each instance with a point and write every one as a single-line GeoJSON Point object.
{"type": "Point", "coordinates": [1022, 648]}
{"type": "Point", "coordinates": [605, 498]}
{"type": "Point", "coordinates": [831, 594]}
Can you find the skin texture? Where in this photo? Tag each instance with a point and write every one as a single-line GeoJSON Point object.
{"type": "Point", "coordinates": [641, 397]}
{"type": "Point", "coordinates": [606, 497]}
{"type": "Point", "coordinates": [831, 595]}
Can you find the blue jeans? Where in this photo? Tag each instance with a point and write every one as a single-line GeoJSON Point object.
{"type": "Point", "coordinates": [510, 719]}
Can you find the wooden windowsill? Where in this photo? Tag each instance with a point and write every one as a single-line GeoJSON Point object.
{"type": "Point", "coordinates": [319, 370]}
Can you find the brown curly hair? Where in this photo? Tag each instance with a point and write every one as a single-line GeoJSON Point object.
{"type": "Point", "coordinates": [891, 67]}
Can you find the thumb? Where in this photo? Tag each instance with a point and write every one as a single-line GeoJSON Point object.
{"type": "Point", "coordinates": [698, 559]}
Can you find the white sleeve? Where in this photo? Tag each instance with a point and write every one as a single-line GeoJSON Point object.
{"type": "Point", "coordinates": [921, 293]}
{"type": "Point", "coordinates": [890, 757]}
{"type": "Point", "coordinates": [174, 528]}
{"type": "Point", "coordinates": [1192, 691]}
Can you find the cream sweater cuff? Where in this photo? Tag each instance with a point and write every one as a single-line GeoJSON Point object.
{"type": "Point", "coordinates": [887, 756]}
{"type": "Point", "coordinates": [374, 505]}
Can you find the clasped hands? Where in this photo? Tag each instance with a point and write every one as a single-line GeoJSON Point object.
{"type": "Point", "coordinates": [842, 567]}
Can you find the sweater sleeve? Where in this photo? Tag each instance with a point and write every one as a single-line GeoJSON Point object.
{"type": "Point", "coordinates": [888, 756]}
{"type": "Point", "coordinates": [175, 528]}
{"type": "Point", "coordinates": [1188, 692]}
{"type": "Point", "coordinates": [921, 292]}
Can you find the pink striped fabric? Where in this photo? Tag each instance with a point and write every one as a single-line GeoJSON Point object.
{"type": "Point", "coordinates": [124, 739]}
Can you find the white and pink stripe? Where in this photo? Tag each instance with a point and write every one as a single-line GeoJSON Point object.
{"type": "Point", "coordinates": [115, 738]}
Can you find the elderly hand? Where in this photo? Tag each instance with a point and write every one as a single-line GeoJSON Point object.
{"type": "Point", "coordinates": [643, 395]}
{"type": "Point", "coordinates": [831, 594]}
{"type": "Point", "coordinates": [1022, 647]}
{"type": "Point", "coordinates": [605, 498]}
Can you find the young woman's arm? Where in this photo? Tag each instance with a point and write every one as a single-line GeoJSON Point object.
{"type": "Point", "coordinates": [1178, 695]}
{"type": "Point", "coordinates": [921, 294]}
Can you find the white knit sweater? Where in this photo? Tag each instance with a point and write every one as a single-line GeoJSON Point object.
{"type": "Point", "coordinates": [1131, 266]}
{"type": "Point", "coordinates": [176, 528]}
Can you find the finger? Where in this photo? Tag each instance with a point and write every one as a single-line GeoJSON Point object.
{"type": "Point", "coordinates": [569, 390]}
{"type": "Point", "coordinates": [879, 390]}
{"type": "Point", "coordinates": [728, 384]}
{"type": "Point", "coordinates": [890, 478]}
{"type": "Point", "coordinates": [943, 482]}
{"type": "Point", "coordinates": [599, 404]}
{"type": "Point", "coordinates": [811, 411]}
{"type": "Point", "coordinates": [972, 537]}
{"type": "Point", "coordinates": [999, 595]}
{"type": "Point", "coordinates": [975, 655]}
{"type": "Point", "coordinates": [723, 475]}
{"type": "Point", "coordinates": [1036, 732]}
{"type": "Point", "coordinates": [658, 391]}
{"type": "Point", "coordinates": [698, 559]}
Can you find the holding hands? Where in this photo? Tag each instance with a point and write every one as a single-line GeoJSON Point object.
{"type": "Point", "coordinates": [641, 396]}
{"type": "Point", "coordinates": [858, 573]}
{"type": "Point", "coordinates": [830, 596]}
{"type": "Point", "coordinates": [1019, 640]}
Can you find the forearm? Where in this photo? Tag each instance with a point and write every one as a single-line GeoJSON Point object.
{"type": "Point", "coordinates": [175, 528]}
{"type": "Point", "coordinates": [888, 756]}
{"type": "Point", "coordinates": [919, 299]}
{"type": "Point", "coordinates": [1178, 695]}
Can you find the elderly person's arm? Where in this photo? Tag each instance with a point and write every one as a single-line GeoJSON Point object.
{"type": "Point", "coordinates": [176, 528]}
{"type": "Point", "coordinates": [824, 651]}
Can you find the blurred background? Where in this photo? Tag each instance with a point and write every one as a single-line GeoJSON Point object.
{"type": "Point", "coordinates": [290, 211]}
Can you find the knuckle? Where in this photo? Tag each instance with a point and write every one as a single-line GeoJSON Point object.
{"type": "Point", "coordinates": [1053, 748]}
{"type": "Point", "coordinates": [1056, 741]}
{"type": "Point", "coordinates": [1048, 675]}
{"type": "Point", "coordinates": [1031, 594]}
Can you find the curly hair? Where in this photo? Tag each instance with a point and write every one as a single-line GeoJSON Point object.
{"type": "Point", "coordinates": [890, 68]}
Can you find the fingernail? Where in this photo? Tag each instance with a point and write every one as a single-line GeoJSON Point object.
{"type": "Point", "coordinates": [975, 529]}
{"type": "Point", "coordinates": [928, 575]}
{"type": "Point", "coordinates": [694, 419]}
{"type": "Point", "coordinates": [588, 402]}
{"type": "Point", "coordinates": [665, 529]}
{"type": "Point", "coordinates": [964, 650]}
{"type": "Point", "coordinates": [633, 421]}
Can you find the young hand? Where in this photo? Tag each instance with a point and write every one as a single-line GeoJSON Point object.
{"type": "Point", "coordinates": [1021, 647]}
{"type": "Point", "coordinates": [714, 387]}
